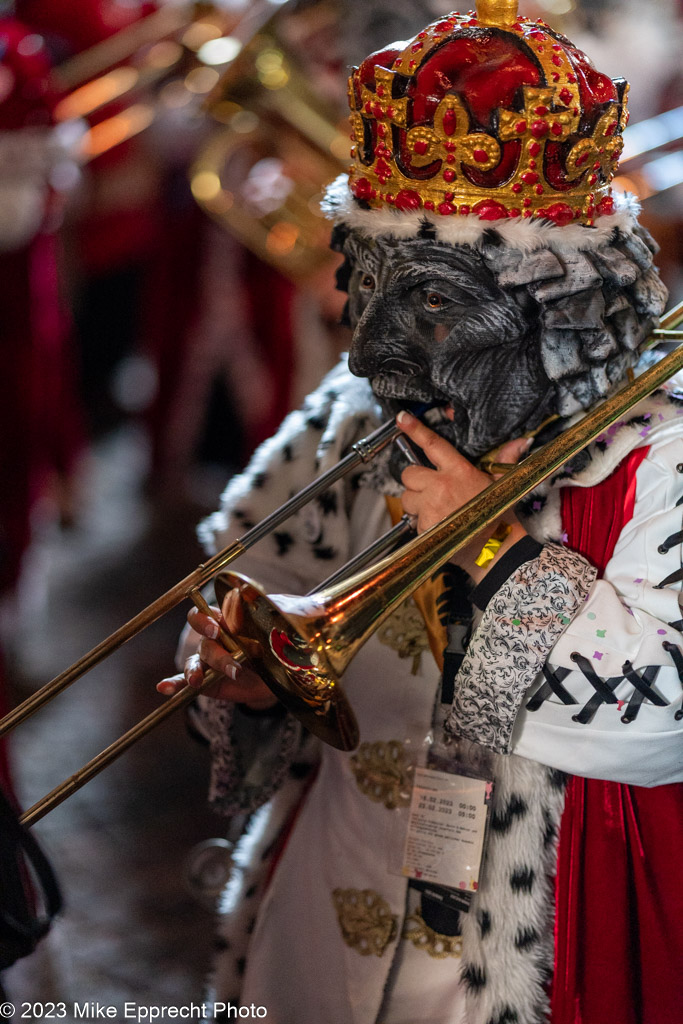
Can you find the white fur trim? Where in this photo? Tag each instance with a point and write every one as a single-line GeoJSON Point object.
{"type": "Point", "coordinates": [525, 234]}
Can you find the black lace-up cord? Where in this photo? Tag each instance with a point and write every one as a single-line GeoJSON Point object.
{"type": "Point", "coordinates": [552, 685]}
{"type": "Point", "coordinates": [603, 690]}
{"type": "Point", "coordinates": [670, 542]}
{"type": "Point", "coordinates": [642, 688]}
{"type": "Point", "coordinates": [677, 657]}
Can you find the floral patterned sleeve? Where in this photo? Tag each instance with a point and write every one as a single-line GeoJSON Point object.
{"type": "Point", "coordinates": [521, 624]}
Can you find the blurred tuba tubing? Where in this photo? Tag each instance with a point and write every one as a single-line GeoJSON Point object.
{"type": "Point", "coordinates": [301, 646]}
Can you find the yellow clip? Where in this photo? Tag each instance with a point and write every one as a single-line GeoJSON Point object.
{"type": "Point", "coordinates": [492, 545]}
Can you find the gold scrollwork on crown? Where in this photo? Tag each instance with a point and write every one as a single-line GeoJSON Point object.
{"type": "Point", "coordinates": [539, 121]}
{"type": "Point", "coordinates": [366, 921]}
{"type": "Point", "coordinates": [382, 773]}
{"type": "Point", "coordinates": [599, 153]}
{"type": "Point", "coordinates": [433, 943]}
{"type": "Point", "coordinates": [380, 104]}
{"type": "Point", "coordinates": [451, 140]}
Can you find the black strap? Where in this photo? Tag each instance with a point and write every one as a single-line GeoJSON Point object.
{"type": "Point", "coordinates": [21, 923]}
{"type": "Point", "coordinates": [523, 551]}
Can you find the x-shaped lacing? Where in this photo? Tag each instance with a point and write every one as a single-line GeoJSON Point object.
{"type": "Point", "coordinates": [604, 688]}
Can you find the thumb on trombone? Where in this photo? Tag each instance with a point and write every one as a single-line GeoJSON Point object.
{"type": "Point", "coordinates": [235, 682]}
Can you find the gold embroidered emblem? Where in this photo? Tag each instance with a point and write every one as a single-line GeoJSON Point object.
{"type": "Point", "coordinates": [365, 918]}
{"type": "Point", "coordinates": [434, 944]}
{"type": "Point", "coordinates": [405, 633]}
{"type": "Point", "coordinates": [382, 773]}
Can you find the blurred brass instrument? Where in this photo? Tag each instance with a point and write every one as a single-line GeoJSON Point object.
{"type": "Point", "coordinates": [113, 87]}
{"type": "Point", "coordinates": [272, 142]}
{"type": "Point", "coordinates": [170, 59]}
{"type": "Point", "coordinates": [261, 175]}
{"type": "Point", "coordinates": [302, 645]}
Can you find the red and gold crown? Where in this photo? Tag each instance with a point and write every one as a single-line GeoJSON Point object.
{"type": "Point", "coordinates": [490, 114]}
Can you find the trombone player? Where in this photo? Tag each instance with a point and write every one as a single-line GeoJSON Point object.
{"type": "Point", "coordinates": [521, 716]}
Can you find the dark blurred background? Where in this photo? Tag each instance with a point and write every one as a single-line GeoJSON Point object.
{"type": "Point", "coordinates": [166, 296]}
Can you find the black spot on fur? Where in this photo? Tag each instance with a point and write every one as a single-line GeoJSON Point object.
{"type": "Point", "coordinates": [250, 927]}
{"type": "Point", "coordinates": [580, 462]}
{"type": "Point", "coordinates": [238, 513]}
{"type": "Point", "coordinates": [288, 453]}
{"type": "Point", "coordinates": [251, 891]}
{"type": "Point", "coordinates": [248, 524]}
{"type": "Point", "coordinates": [284, 542]}
{"type": "Point", "coordinates": [557, 779]}
{"type": "Point", "coordinates": [474, 977]}
{"type": "Point", "coordinates": [506, 1016]}
{"type": "Point", "coordinates": [426, 230]}
{"type": "Point", "coordinates": [532, 505]}
{"type": "Point", "coordinates": [258, 480]}
{"type": "Point", "coordinates": [503, 819]}
{"type": "Point", "coordinates": [220, 944]}
{"type": "Point", "coordinates": [315, 422]}
{"type": "Point", "coordinates": [522, 879]}
{"type": "Point", "coordinates": [526, 938]}
{"type": "Point", "coordinates": [324, 553]}
{"type": "Point", "coordinates": [241, 963]}
{"type": "Point", "coordinates": [355, 481]}
{"type": "Point", "coordinates": [328, 502]}
{"type": "Point", "coordinates": [549, 831]}
{"type": "Point", "coordinates": [491, 237]}
{"type": "Point", "coordinates": [484, 923]}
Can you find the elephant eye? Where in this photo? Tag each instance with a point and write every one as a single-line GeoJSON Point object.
{"type": "Point", "coordinates": [434, 300]}
{"type": "Point", "coordinates": [367, 281]}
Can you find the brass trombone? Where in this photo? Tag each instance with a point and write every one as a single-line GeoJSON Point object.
{"type": "Point", "coordinates": [302, 645]}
